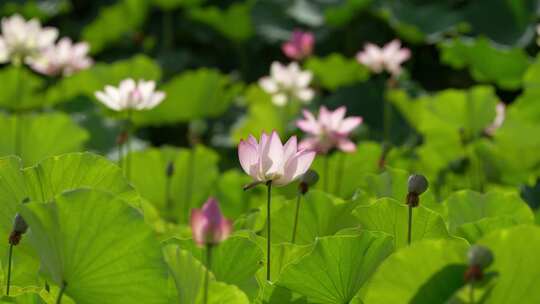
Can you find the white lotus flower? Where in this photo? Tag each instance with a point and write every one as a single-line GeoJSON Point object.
{"type": "Point", "coordinates": [389, 57]}
{"type": "Point", "coordinates": [23, 40]}
{"type": "Point", "coordinates": [131, 95]}
{"type": "Point", "coordinates": [64, 58]}
{"type": "Point", "coordinates": [286, 83]}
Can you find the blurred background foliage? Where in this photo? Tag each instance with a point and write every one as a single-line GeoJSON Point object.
{"type": "Point", "coordinates": [208, 55]}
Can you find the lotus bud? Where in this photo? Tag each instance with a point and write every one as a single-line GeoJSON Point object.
{"type": "Point", "coordinates": [208, 225]}
{"type": "Point", "coordinates": [308, 179]}
{"type": "Point", "coordinates": [19, 228]}
{"type": "Point", "coordinates": [417, 184]}
{"type": "Point", "coordinates": [169, 171]}
{"type": "Point", "coordinates": [479, 258]}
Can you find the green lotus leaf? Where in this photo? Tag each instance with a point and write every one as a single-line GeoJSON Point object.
{"type": "Point", "coordinates": [389, 216]}
{"type": "Point", "coordinates": [98, 247]}
{"type": "Point", "coordinates": [196, 94]}
{"type": "Point", "coordinates": [515, 263]}
{"type": "Point", "coordinates": [429, 271]}
{"type": "Point", "coordinates": [337, 268]}
{"type": "Point", "coordinates": [21, 89]}
{"type": "Point", "coordinates": [334, 71]}
{"type": "Point", "coordinates": [40, 135]}
{"type": "Point", "coordinates": [233, 22]}
{"type": "Point", "coordinates": [317, 218]}
{"type": "Point", "coordinates": [195, 173]}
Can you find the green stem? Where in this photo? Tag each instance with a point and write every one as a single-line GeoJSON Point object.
{"type": "Point", "coordinates": [209, 268]}
{"type": "Point", "coordinates": [61, 293]}
{"type": "Point", "coordinates": [326, 172]}
{"type": "Point", "coordinates": [409, 230]}
{"type": "Point", "coordinates": [387, 120]}
{"type": "Point", "coordinates": [189, 180]}
{"type": "Point", "coordinates": [471, 293]}
{"type": "Point", "coordinates": [339, 173]}
{"type": "Point", "coordinates": [9, 269]}
{"type": "Point", "coordinates": [120, 149]}
{"type": "Point", "coordinates": [128, 144]}
{"type": "Point", "coordinates": [18, 124]}
{"type": "Point", "coordinates": [268, 230]}
{"type": "Point", "coordinates": [168, 200]}
{"type": "Point", "coordinates": [295, 226]}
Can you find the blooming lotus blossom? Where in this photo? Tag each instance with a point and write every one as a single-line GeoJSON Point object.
{"type": "Point", "coordinates": [208, 225]}
{"type": "Point", "coordinates": [23, 40]}
{"type": "Point", "coordinates": [131, 95]}
{"type": "Point", "coordinates": [330, 129]}
{"type": "Point", "coordinates": [388, 58]}
{"type": "Point", "coordinates": [270, 160]}
{"type": "Point", "coordinates": [287, 83]}
{"type": "Point", "coordinates": [64, 58]}
{"type": "Point", "coordinates": [500, 116]}
{"type": "Point", "coordinates": [299, 46]}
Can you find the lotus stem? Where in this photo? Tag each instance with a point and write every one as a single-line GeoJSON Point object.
{"type": "Point", "coordinates": [268, 230]}
{"type": "Point", "coordinates": [209, 268]}
{"type": "Point", "coordinates": [471, 292]}
{"type": "Point", "coordinates": [9, 269]}
{"type": "Point", "coordinates": [128, 144]}
{"type": "Point", "coordinates": [189, 180]}
{"type": "Point", "coordinates": [326, 172]}
{"type": "Point", "coordinates": [295, 226]}
{"type": "Point", "coordinates": [61, 293]}
{"type": "Point", "coordinates": [339, 173]}
{"type": "Point", "coordinates": [409, 230]}
{"type": "Point", "coordinates": [17, 115]}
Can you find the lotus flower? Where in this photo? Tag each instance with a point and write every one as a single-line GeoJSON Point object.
{"type": "Point", "coordinates": [286, 83]}
{"type": "Point", "coordinates": [208, 225]}
{"type": "Point", "coordinates": [23, 40]}
{"type": "Point", "coordinates": [270, 160]}
{"type": "Point", "coordinates": [299, 46]}
{"type": "Point", "coordinates": [500, 116]}
{"type": "Point", "coordinates": [329, 130]}
{"type": "Point", "coordinates": [388, 58]}
{"type": "Point", "coordinates": [131, 95]}
{"type": "Point", "coordinates": [64, 58]}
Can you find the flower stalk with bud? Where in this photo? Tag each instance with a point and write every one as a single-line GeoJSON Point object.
{"type": "Point", "coordinates": [307, 180]}
{"type": "Point", "coordinates": [209, 228]}
{"type": "Point", "coordinates": [19, 228]}
{"type": "Point", "coordinates": [417, 184]}
{"type": "Point", "coordinates": [270, 162]}
{"type": "Point", "coordinates": [479, 258]}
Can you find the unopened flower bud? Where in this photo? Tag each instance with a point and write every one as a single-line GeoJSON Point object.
{"type": "Point", "coordinates": [480, 256]}
{"type": "Point", "coordinates": [417, 184]}
{"type": "Point", "coordinates": [308, 179]}
{"type": "Point", "coordinates": [169, 171]}
{"type": "Point", "coordinates": [19, 228]}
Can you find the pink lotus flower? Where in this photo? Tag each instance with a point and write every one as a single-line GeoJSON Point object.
{"type": "Point", "coordinates": [270, 160]}
{"type": "Point", "coordinates": [299, 46]}
{"type": "Point", "coordinates": [22, 40]}
{"type": "Point", "coordinates": [131, 95]}
{"type": "Point", "coordinates": [329, 130]}
{"type": "Point", "coordinates": [389, 58]}
{"type": "Point", "coordinates": [208, 225]}
{"type": "Point", "coordinates": [64, 58]}
{"type": "Point", "coordinates": [500, 116]}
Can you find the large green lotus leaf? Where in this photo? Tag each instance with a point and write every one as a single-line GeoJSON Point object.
{"type": "Point", "coordinates": [201, 93]}
{"type": "Point", "coordinates": [169, 5]}
{"type": "Point", "coordinates": [41, 135]}
{"type": "Point", "coordinates": [111, 24]}
{"type": "Point", "coordinates": [429, 271]}
{"type": "Point", "coordinates": [390, 216]}
{"type": "Point", "coordinates": [234, 200]}
{"type": "Point", "coordinates": [474, 231]}
{"type": "Point", "coordinates": [334, 71]}
{"type": "Point", "coordinates": [195, 174]}
{"type": "Point", "coordinates": [337, 267]}
{"type": "Point", "coordinates": [468, 110]}
{"type": "Point", "coordinates": [233, 22]}
{"type": "Point", "coordinates": [21, 88]}
{"type": "Point", "coordinates": [234, 261]}
{"type": "Point", "coordinates": [478, 56]}
{"type": "Point", "coordinates": [515, 261]}
{"type": "Point", "coordinates": [339, 15]}
{"type": "Point", "coordinates": [89, 81]}
{"type": "Point", "coordinates": [12, 193]}
{"type": "Point", "coordinates": [317, 218]}
{"type": "Point", "coordinates": [468, 206]}
{"type": "Point", "coordinates": [346, 171]}
{"type": "Point", "coordinates": [57, 174]}
{"type": "Point", "coordinates": [99, 247]}
{"type": "Point", "coordinates": [283, 255]}
{"type": "Point", "coordinates": [262, 116]}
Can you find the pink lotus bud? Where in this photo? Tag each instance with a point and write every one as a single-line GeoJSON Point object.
{"type": "Point", "coordinates": [299, 46]}
{"type": "Point", "coordinates": [208, 225]}
{"type": "Point", "coordinates": [329, 130]}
